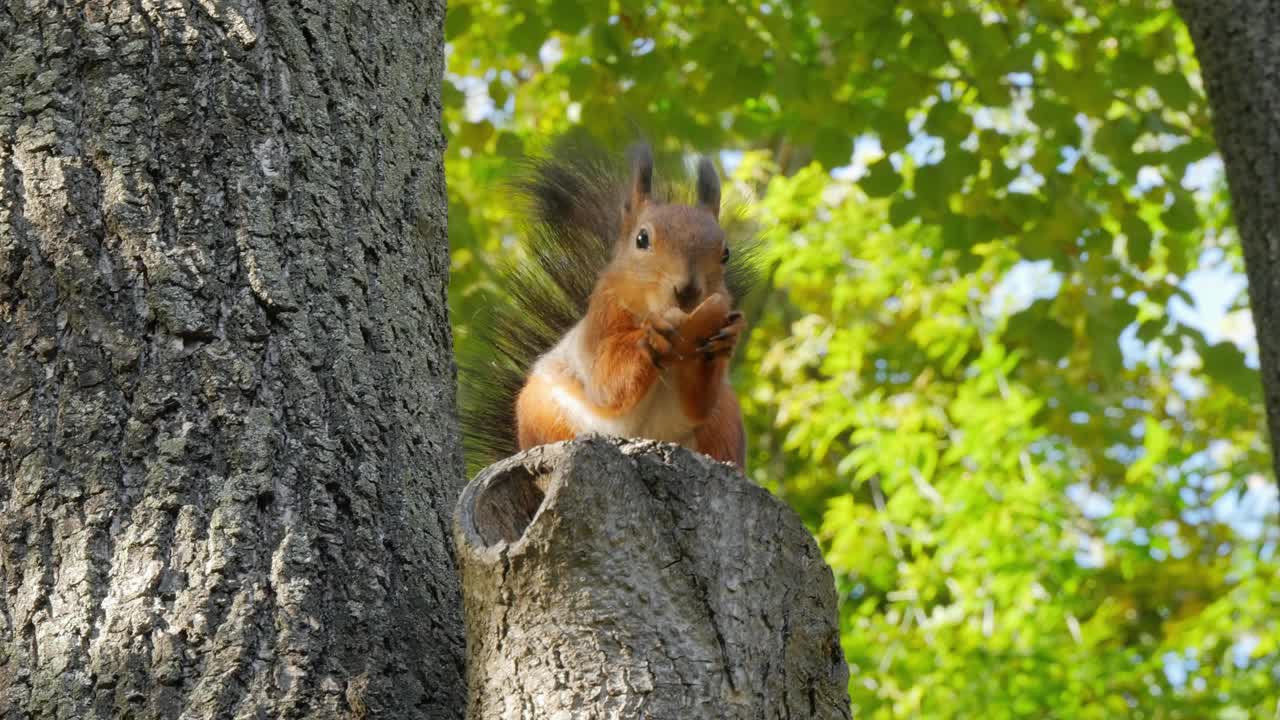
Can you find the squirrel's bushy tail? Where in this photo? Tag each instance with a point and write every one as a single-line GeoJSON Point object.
{"type": "Point", "coordinates": [572, 199]}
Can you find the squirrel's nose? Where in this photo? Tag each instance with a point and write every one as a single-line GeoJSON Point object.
{"type": "Point", "coordinates": [688, 295]}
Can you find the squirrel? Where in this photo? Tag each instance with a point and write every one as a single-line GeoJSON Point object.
{"type": "Point", "coordinates": [620, 321]}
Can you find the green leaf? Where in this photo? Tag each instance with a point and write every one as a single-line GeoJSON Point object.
{"type": "Point", "coordinates": [1181, 215]}
{"type": "Point", "coordinates": [891, 128]}
{"type": "Point", "coordinates": [1087, 90]}
{"type": "Point", "coordinates": [881, 179]}
{"type": "Point", "coordinates": [1150, 331]}
{"type": "Point", "coordinates": [456, 21]}
{"type": "Point", "coordinates": [1137, 239]}
{"type": "Point", "coordinates": [903, 210]}
{"type": "Point", "coordinates": [925, 47]}
{"type": "Point", "coordinates": [931, 185]}
{"type": "Point", "coordinates": [582, 78]}
{"type": "Point", "coordinates": [833, 148]}
{"type": "Point", "coordinates": [498, 92]}
{"type": "Point", "coordinates": [1225, 363]}
{"type": "Point", "coordinates": [567, 15]}
{"type": "Point", "coordinates": [527, 36]}
{"type": "Point", "coordinates": [475, 135]}
{"type": "Point", "coordinates": [1107, 357]}
{"type": "Point", "coordinates": [1174, 90]}
{"type": "Point", "coordinates": [955, 232]}
{"type": "Point", "coordinates": [1116, 138]}
{"type": "Point", "coordinates": [935, 183]}
{"type": "Point", "coordinates": [1193, 150]}
{"type": "Point", "coordinates": [452, 96]}
{"type": "Point", "coordinates": [747, 81]}
{"type": "Point", "coordinates": [509, 145]}
{"type": "Point", "coordinates": [1057, 119]}
{"type": "Point", "coordinates": [947, 120]}
{"type": "Point", "coordinates": [960, 232]}
{"type": "Point", "coordinates": [1039, 332]}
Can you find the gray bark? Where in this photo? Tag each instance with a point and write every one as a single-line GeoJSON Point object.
{"type": "Point", "coordinates": [631, 579]}
{"type": "Point", "coordinates": [228, 451]}
{"type": "Point", "coordinates": [1238, 45]}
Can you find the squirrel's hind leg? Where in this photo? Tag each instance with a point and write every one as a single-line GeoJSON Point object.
{"type": "Point", "coordinates": [722, 436]}
{"type": "Point", "coordinates": [539, 417]}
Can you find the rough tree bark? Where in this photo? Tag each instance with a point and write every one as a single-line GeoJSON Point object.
{"type": "Point", "coordinates": [612, 579]}
{"type": "Point", "coordinates": [1238, 45]}
{"type": "Point", "coordinates": [227, 447]}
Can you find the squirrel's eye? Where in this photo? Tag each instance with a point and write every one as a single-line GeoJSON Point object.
{"type": "Point", "coordinates": [724, 257]}
{"type": "Point", "coordinates": [642, 240]}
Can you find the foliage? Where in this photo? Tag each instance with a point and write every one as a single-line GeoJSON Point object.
{"type": "Point", "coordinates": [1043, 486]}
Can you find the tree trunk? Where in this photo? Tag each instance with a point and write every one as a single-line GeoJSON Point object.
{"type": "Point", "coordinates": [611, 579]}
{"type": "Point", "coordinates": [227, 427]}
{"type": "Point", "coordinates": [1238, 44]}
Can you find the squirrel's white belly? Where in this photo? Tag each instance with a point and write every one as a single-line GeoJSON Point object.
{"type": "Point", "coordinates": [657, 416]}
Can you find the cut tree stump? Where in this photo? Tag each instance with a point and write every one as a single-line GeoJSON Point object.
{"type": "Point", "coordinates": [630, 579]}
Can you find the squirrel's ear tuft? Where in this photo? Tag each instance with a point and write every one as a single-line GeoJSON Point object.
{"type": "Point", "coordinates": [708, 187]}
{"type": "Point", "coordinates": [641, 176]}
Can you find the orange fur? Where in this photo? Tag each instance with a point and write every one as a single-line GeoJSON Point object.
{"type": "Point", "coordinates": [539, 420]}
{"type": "Point", "coordinates": [722, 435]}
{"type": "Point", "coordinates": [699, 375]}
{"type": "Point", "coordinates": [621, 371]}
{"type": "Point", "coordinates": [699, 381]}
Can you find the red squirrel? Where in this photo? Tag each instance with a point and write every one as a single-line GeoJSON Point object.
{"type": "Point", "coordinates": [646, 354]}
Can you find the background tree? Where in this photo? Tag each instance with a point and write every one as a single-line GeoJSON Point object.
{"type": "Point", "coordinates": [1005, 368]}
{"type": "Point", "coordinates": [1238, 46]}
{"type": "Point", "coordinates": [228, 455]}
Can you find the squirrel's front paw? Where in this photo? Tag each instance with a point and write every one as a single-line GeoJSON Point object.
{"type": "Point", "coordinates": [724, 341]}
{"type": "Point", "coordinates": [659, 340]}
{"type": "Point", "coordinates": [699, 326]}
